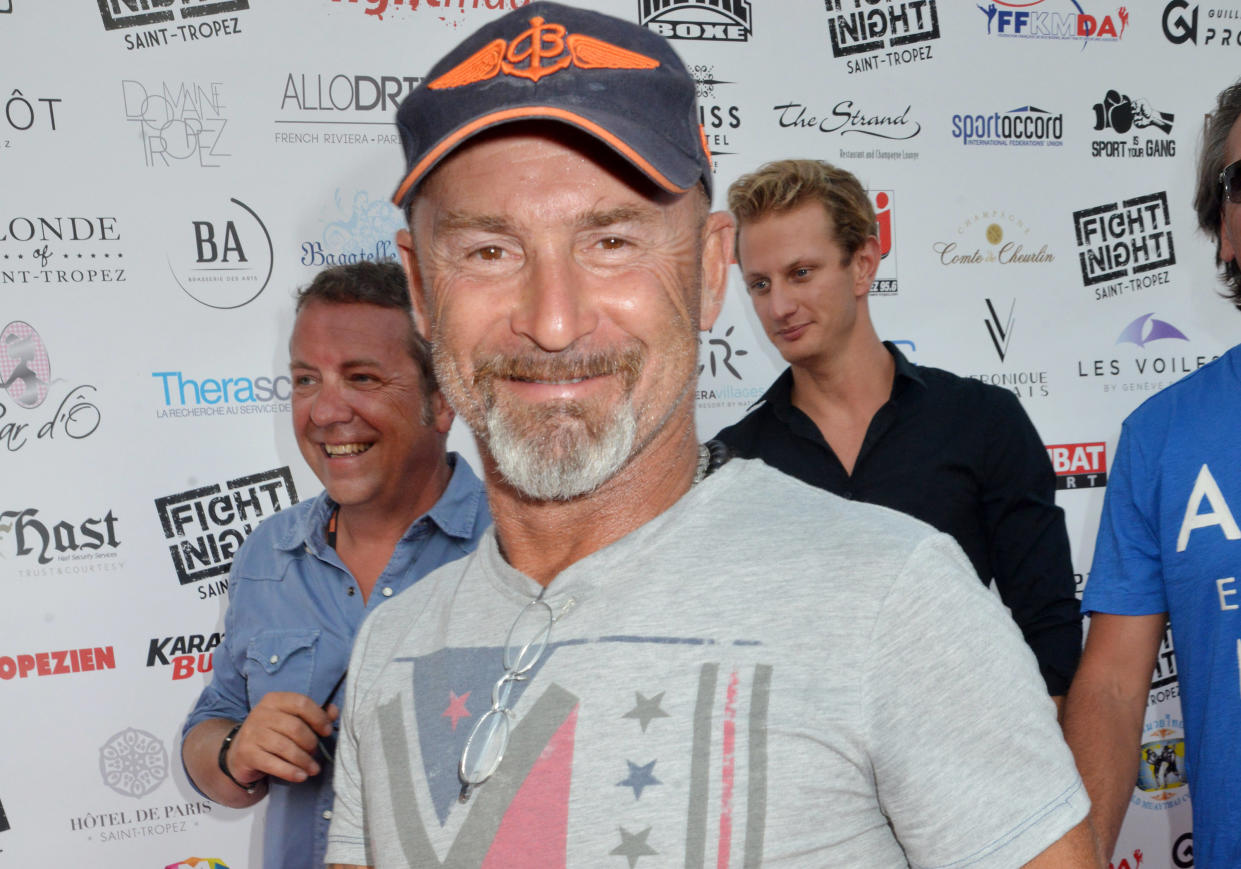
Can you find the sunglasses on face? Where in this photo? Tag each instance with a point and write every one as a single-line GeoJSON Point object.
{"type": "Point", "coordinates": [1230, 178]}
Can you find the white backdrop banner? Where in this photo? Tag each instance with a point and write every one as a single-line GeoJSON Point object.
{"type": "Point", "coordinates": [171, 171]}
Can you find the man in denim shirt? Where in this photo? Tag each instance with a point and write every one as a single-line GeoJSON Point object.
{"type": "Point", "coordinates": [372, 424]}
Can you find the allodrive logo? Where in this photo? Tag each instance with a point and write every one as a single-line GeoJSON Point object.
{"type": "Point", "coordinates": [1026, 126]}
{"type": "Point", "coordinates": [1164, 682]}
{"type": "Point", "coordinates": [1079, 466]}
{"type": "Point", "coordinates": [26, 380]}
{"type": "Point", "coordinates": [316, 99]}
{"type": "Point", "coordinates": [437, 7]}
{"type": "Point", "coordinates": [133, 762]}
{"type": "Point", "coordinates": [186, 654]}
{"type": "Point", "coordinates": [57, 663]}
{"type": "Point", "coordinates": [221, 255]}
{"type": "Point", "coordinates": [198, 863]}
{"type": "Point", "coordinates": [187, 21]}
{"type": "Point", "coordinates": [222, 396]}
{"type": "Point", "coordinates": [361, 227]}
{"type": "Point", "coordinates": [208, 525]}
{"type": "Point", "coordinates": [48, 540]}
{"type": "Point", "coordinates": [177, 122]}
{"type": "Point", "coordinates": [875, 33]}
{"type": "Point", "coordinates": [884, 202]}
{"type": "Point", "coordinates": [1120, 114]}
{"type": "Point", "coordinates": [1121, 244]}
{"type": "Point", "coordinates": [707, 20]}
{"type": "Point", "coordinates": [1161, 771]}
{"type": "Point", "coordinates": [859, 123]}
{"type": "Point", "coordinates": [1059, 19]}
{"type": "Point", "coordinates": [993, 237]}
{"type": "Point", "coordinates": [720, 119]}
{"type": "Point", "coordinates": [1180, 25]}
{"type": "Point", "coordinates": [60, 250]}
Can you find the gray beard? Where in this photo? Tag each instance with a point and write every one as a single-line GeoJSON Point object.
{"type": "Point", "coordinates": [561, 459]}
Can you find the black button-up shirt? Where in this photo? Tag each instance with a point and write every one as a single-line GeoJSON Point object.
{"type": "Point", "coordinates": [962, 456]}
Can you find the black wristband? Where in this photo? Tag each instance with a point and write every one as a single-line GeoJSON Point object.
{"type": "Point", "coordinates": [223, 761]}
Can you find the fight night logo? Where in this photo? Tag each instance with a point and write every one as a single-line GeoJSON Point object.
{"type": "Point", "coordinates": [871, 34]}
{"type": "Point", "coordinates": [152, 23]}
{"type": "Point", "coordinates": [1125, 247]}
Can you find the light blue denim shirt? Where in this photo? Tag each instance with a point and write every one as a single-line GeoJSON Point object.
{"type": "Point", "coordinates": [293, 611]}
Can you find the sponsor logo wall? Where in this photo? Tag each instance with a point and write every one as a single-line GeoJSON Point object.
{"type": "Point", "coordinates": [1031, 166]}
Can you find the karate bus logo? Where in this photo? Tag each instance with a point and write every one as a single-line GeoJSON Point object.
{"type": "Point", "coordinates": [25, 370]}
{"type": "Point", "coordinates": [133, 762]}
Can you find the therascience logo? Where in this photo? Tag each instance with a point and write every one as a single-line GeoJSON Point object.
{"type": "Point", "coordinates": [705, 20]}
{"type": "Point", "coordinates": [1121, 244]}
{"type": "Point", "coordinates": [208, 396]}
{"type": "Point", "coordinates": [209, 524]}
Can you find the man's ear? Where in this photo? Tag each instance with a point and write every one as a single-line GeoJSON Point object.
{"type": "Point", "coordinates": [442, 413]}
{"type": "Point", "coordinates": [865, 263]}
{"type": "Point", "coordinates": [717, 255]}
{"type": "Point", "coordinates": [409, 261]}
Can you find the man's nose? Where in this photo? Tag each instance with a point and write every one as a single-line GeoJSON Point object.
{"type": "Point", "coordinates": [330, 404]}
{"type": "Point", "coordinates": [556, 305]}
{"type": "Point", "coordinates": [783, 300]}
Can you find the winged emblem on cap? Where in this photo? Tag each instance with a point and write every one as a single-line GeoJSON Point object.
{"type": "Point", "coordinates": [541, 50]}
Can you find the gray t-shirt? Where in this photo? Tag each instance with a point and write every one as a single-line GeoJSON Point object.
{"type": "Point", "coordinates": [765, 674]}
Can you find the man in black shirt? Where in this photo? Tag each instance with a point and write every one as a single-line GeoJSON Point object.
{"type": "Point", "coordinates": [851, 415]}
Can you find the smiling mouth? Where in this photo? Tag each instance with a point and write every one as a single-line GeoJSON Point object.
{"type": "Point", "coordinates": [336, 450]}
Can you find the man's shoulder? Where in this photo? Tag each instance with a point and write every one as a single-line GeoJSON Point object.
{"type": "Point", "coordinates": [283, 530]}
{"type": "Point", "coordinates": [966, 388]}
{"type": "Point", "coordinates": [1207, 389]}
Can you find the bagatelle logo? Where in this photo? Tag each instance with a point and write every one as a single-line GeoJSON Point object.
{"type": "Point", "coordinates": [1164, 682]}
{"type": "Point", "coordinates": [1128, 372]}
{"type": "Point", "coordinates": [149, 23]}
{"type": "Point", "coordinates": [875, 33]}
{"type": "Point", "coordinates": [178, 122]}
{"type": "Point", "coordinates": [994, 236]}
{"type": "Point", "coordinates": [209, 524]}
{"type": "Point", "coordinates": [186, 654]}
{"type": "Point", "coordinates": [60, 662]}
{"type": "Point", "coordinates": [860, 124]}
{"type": "Point", "coordinates": [222, 396]}
{"type": "Point", "coordinates": [1055, 19]}
{"type": "Point", "coordinates": [1121, 245]}
{"type": "Point", "coordinates": [439, 8]}
{"type": "Point", "coordinates": [362, 228]}
{"type": "Point", "coordinates": [707, 20]}
{"type": "Point", "coordinates": [1161, 770]}
{"type": "Point", "coordinates": [221, 256]}
{"type": "Point", "coordinates": [1180, 25]}
{"type": "Point", "coordinates": [79, 546]}
{"type": "Point", "coordinates": [1027, 126]}
{"type": "Point", "coordinates": [1120, 114]}
{"type": "Point", "coordinates": [885, 283]}
{"type": "Point", "coordinates": [337, 102]}
{"type": "Point", "coordinates": [198, 863]}
{"type": "Point", "coordinates": [719, 117]}
{"type": "Point", "coordinates": [64, 249]}
{"type": "Point", "coordinates": [26, 378]}
{"type": "Point", "coordinates": [1079, 466]}
{"type": "Point", "coordinates": [999, 324]}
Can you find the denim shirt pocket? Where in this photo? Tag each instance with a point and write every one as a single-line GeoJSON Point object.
{"type": "Point", "coordinates": [280, 660]}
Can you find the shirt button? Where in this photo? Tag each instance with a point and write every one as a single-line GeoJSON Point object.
{"type": "Point", "coordinates": [327, 814]}
{"type": "Point", "coordinates": [349, 591]}
{"type": "Point", "coordinates": [387, 591]}
{"type": "Point", "coordinates": [274, 659]}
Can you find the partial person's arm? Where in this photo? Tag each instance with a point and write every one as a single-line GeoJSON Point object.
{"type": "Point", "coordinates": [1076, 850]}
{"type": "Point", "coordinates": [1105, 711]}
{"type": "Point", "coordinates": [278, 738]}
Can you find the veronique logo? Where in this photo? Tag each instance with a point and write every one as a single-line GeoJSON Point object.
{"type": "Point", "coordinates": [1122, 244]}
{"type": "Point", "coordinates": [222, 256]}
{"type": "Point", "coordinates": [706, 20]}
{"type": "Point", "coordinates": [875, 33]}
{"type": "Point", "coordinates": [165, 21]}
{"type": "Point", "coordinates": [1000, 327]}
{"type": "Point", "coordinates": [209, 524]}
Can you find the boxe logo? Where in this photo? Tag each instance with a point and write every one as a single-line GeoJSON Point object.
{"type": "Point", "coordinates": [707, 20]}
{"type": "Point", "coordinates": [1124, 240]}
{"type": "Point", "coordinates": [208, 525]}
{"type": "Point", "coordinates": [1079, 466]}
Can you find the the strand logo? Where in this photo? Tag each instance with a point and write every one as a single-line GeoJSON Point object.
{"type": "Point", "coordinates": [1079, 466]}
{"type": "Point", "coordinates": [706, 20]}
{"type": "Point", "coordinates": [874, 33]}
{"type": "Point", "coordinates": [57, 663]}
{"type": "Point", "coordinates": [208, 525]}
{"type": "Point", "coordinates": [187, 654]}
{"type": "Point", "coordinates": [185, 21]}
{"type": "Point", "coordinates": [1130, 240]}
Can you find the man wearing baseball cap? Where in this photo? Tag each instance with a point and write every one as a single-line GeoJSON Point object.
{"type": "Point", "coordinates": [658, 653]}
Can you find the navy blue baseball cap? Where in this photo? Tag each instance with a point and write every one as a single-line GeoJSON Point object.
{"type": "Point", "coordinates": [618, 82]}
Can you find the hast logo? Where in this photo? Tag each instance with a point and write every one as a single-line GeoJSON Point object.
{"type": "Point", "coordinates": [221, 257]}
{"type": "Point", "coordinates": [1079, 466]}
{"type": "Point", "coordinates": [133, 762]}
{"type": "Point", "coordinates": [874, 33]}
{"type": "Point", "coordinates": [1000, 328]}
{"type": "Point", "coordinates": [884, 202]}
{"type": "Point", "coordinates": [1128, 239]}
{"type": "Point", "coordinates": [180, 122]}
{"type": "Point", "coordinates": [706, 20]}
{"type": "Point", "coordinates": [209, 524]}
{"type": "Point", "coordinates": [189, 21]}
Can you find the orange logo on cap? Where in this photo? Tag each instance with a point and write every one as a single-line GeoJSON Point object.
{"type": "Point", "coordinates": [541, 50]}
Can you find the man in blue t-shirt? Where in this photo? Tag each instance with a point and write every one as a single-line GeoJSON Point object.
{"type": "Point", "coordinates": [1169, 548]}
